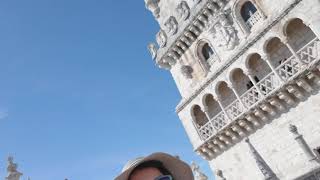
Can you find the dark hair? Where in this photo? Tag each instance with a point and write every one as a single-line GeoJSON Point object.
{"type": "Point", "coordinates": [152, 164]}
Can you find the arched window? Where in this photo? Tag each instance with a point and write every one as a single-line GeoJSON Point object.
{"type": "Point", "coordinates": [207, 52]}
{"type": "Point", "coordinates": [206, 55]}
{"type": "Point", "coordinates": [199, 116]}
{"type": "Point", "coordinates": [250, 14]}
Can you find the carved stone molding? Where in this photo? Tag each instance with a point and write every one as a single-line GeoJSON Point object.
{"type": "Point", "coordinates": [171, 25]}
{"type": "Point", "coordinates": [153, 6]}
{"type": "Point", "coordinates": [225, 33]}
{"type": "Point", "coordinates": [170, 60]}
{"type": "Point", "coordinates": [153, 50]}
{"type": "Point", "coordinates": [183, 10]}
{"type": "Point", "coordinates": [187, 71]}
{"type": "Point", "coordinates": [161, 38]}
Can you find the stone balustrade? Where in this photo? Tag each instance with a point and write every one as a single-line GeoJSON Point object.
{"type": "Point", "coordinates": [256, 17]}
{"type": "Point", "coordinates": [223, 130]}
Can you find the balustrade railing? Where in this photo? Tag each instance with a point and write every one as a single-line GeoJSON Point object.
{"type": "Point", "coordinates": [268, 84]}
{"type": "Point", "coordinates": [256, 17]}
{"type": "Point", "coordinates": [206, 131]}
{"type": "Point", "coordinates": [234, 109]}
{"type": "Point", "coordinates": [219, 121]}
{"type": "Point", "coordinates": [288, 70]}
{"type": "Point", "coordinates": [310, 52]}
{"type": "Point", "coordinates": [250, 97]}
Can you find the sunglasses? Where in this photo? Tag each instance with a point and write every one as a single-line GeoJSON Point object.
{"type": "Point", "coordinates": [164, 177]}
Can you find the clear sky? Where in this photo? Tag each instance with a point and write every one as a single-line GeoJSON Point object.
{"type": "Point", "coordinates": [80, 94]}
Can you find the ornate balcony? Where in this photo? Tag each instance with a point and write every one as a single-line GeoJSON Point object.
{"type": "Point", "coordinates": [283, 85]}
{"type": "Point", "coordinates": [256, 17]}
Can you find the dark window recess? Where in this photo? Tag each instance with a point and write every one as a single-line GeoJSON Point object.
{"type": "Point", "coordinates": [207, 51]}
{"type": "Point", "coordinates": [247, 10]}
{"type": "Point", "coordinates": [286, 68]}
{"type": "Point", "coordinates": [317, 150]}
{"type": "Point", "coordinates": [249, 85]}
{"type": "Point", "coordinates": [256, 79]}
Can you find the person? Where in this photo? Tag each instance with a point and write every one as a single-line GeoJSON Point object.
{"type": "Point", "coordinates": [157, 166]}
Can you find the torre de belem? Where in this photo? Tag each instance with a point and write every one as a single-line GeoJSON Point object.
{"type": "Point", "coordinates": [248, 72]}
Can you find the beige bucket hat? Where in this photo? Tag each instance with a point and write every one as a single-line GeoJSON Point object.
{"type": "Point", "coordinates": [178, 169]}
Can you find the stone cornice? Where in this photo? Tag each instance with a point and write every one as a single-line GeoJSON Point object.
{"type": "Point", "coordinates": [184, 27]}
{"type": "Point", "coordinates": [185, 102]}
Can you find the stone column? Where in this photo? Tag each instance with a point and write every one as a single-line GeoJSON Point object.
{"type": "Point", "coordinates": [250, 75]}
{"type": "Point", "coordinates": [218, 99]}
{"type": "Point", "coordinates": [314, 25]}
{"type": "Point", "coordinates": [262, 165]}
{"type": "Point", "coordinates": [206, 111]}
{"type": "Point", "coordinates": [266, 58]}
{"type": "Point", "coordinates": [294, 53]}
{"type": "Point", "coordinates": [237, 95]}
{"type": "Point", "coordinates": [302, 143]}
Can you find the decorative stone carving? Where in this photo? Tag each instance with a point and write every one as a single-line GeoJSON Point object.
{"type": "Point", "coordinates": [221, 3]}
{"type": "Point", "coordinates": [196, 1]}
{"type": "Point", "coordinates": [187, 71]}
{"type": "Point", "coordinates": [219, 175]}
{"type": "Point", "coordinates": [225, 34]}
{"type": "Point", "coordinates": [197, 173]}
{"type": "Point", "coordinates": [164, 65]}
{"type": "Point", "coordinates": [183, 10]}
{"type": "Point", "coordinates": [13, 173]}
{"type": "Point", "coordinates": [262, 165]}
{"type": "Point", "coordinates": [153, 50]}
{"type": "Point", "coordinates": [171, 25]}
{"type": "Point", "coordinates": [302, 143]}
{"type": "Point", "coordinates": [153, 6]}
{"type": "Point", "coordinates": [170, 60]}
{"type": "Point", "coordinates": [162, 38]}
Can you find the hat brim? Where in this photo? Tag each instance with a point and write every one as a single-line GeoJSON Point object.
{"type": "Point", "coordinates": [179, 169]}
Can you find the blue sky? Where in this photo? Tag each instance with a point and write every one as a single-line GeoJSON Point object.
{"type": "Point", "coordinates": [79, 93]}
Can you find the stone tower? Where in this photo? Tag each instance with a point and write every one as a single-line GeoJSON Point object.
{"type": "Point", "coordinates": [248, 72]}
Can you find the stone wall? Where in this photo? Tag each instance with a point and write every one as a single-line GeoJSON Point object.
{"type": "Point", "coordinates": [276, 145]}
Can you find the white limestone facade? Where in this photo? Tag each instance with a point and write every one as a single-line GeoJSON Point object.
{"type": "Point", "coordinates": [248, 72]}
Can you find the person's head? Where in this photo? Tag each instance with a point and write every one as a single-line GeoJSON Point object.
{"type": "Point", "coordinates": [158, 166]}
{"type": "Point", "coordinates": [150, 170]}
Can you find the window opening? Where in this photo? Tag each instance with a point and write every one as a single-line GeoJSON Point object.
{"type": "Point", "coordinates": [248, 9]}
{"type": "Point", "coordinates": [207, 51]}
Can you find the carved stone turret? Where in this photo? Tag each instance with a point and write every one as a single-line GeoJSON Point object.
{"type": "Point", "coordinates": [153, 50]}
{"type": "Point", "coordinates": [183, 10]}
{"type": "Point", "coordinates": [302, 143]}
{"type": "Point", "coordinates": [153, 6]}
{"type": "Point", "coordinates": [13, 173]}
{"type": "Point", "coordinates": [262, 165]}
{"type": "Point", "coordinates": [197, 173]}
{"type": "Point", "coordinates": [219, 175]}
